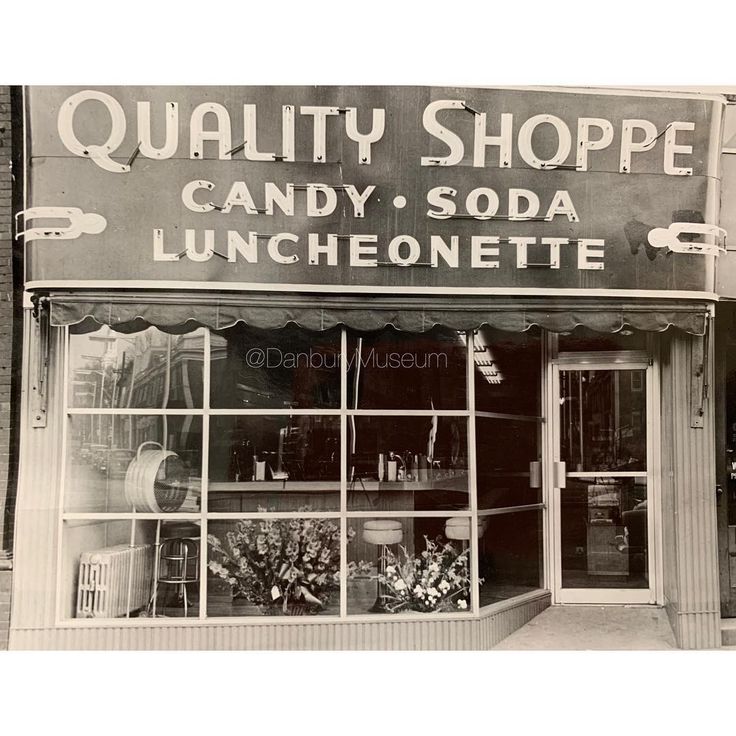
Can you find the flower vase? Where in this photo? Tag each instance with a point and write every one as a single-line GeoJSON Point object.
{"type": "Point", "coordinates": [292, 609]}
{"type": "Point", "coordinates": [295, 609]}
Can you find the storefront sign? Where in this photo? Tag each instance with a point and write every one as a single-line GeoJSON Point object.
{"type": "Point", "coordinates": [371, 188]}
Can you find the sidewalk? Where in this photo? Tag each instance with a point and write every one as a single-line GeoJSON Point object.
{"type": "Point", "coordinates": [594, 627]}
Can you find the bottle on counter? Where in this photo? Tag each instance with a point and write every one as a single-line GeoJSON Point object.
{"type": "Point", "coordinates": [242, 464]}
{"type": "Point", "coordinates": [392, 466]}
{"type": "Point", "coordinates": [423, 472]}
{"type": "Point", "coordinates": [259, 468]}
{"type": "Point", "coordinates": [408, 465]}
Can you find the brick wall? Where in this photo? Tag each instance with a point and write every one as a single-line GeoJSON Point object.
{"type": "Point", "coordinates": [8, 382]}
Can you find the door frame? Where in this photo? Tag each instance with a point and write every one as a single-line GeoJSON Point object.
{"type": "Point", "coordinates": [604, 360]}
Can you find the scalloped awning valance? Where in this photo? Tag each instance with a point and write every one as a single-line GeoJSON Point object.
{"type": "Point", "coordinates": [180, 312]}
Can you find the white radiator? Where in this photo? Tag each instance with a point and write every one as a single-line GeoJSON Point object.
{"type": "Point", "coordinates": [114, 581]}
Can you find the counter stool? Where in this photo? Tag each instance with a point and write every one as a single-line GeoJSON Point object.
{"type": "Point", "coordinates": [382, 533]}
{"type": "Point", "coordinates": [178, 566]}
{"type": "Point", "coordinates": [180, 529]}
{"type": "Point", "coordinates": [458, 528]}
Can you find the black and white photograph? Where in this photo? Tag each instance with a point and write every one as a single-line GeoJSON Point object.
{"type": "Point", "coordinates": [348, 362]}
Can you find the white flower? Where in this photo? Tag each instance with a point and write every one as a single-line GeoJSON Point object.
{"type": "Point", "coordinates": [462, 604]}
{"type": "Point", "coordinates": [433, 592]}
{"type": "Point", "coordinates": [400, 585]}
{"type": "Point", "coordinates": [434, 567]}
{"type": "Point", "coordinates": [390, 570]}
{"type": "Point", "coordinates": [418, 590]}
{"type": "Point", "coordinates": [444, 586]}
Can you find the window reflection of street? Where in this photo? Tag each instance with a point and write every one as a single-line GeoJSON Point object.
{"type": "Point", "coordinates": [603, 420]}
{"type": "Point", "coordinates": [147, 369]}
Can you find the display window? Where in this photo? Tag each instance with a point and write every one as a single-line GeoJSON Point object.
{"type": "Point", "coordinates": [411, 564]}
{"type": "Point", "coordinates": [244, 472]}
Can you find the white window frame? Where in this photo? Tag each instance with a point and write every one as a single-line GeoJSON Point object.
{"type": "Point", "coordinates": [343, 515]}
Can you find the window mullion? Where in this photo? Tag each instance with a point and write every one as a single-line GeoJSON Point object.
{"type": "Point", "coordinates": [204, 488]}
{"type": "Point", "coordinates": [66, 343]}
{"type": "Point", "coordinates": [472, 476]}
{"type": "Point", "coordinates": [343, 472]}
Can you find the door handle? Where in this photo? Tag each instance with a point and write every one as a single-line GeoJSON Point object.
{"type": "Point", "coordinates": [560, 474]}
{"type": "Point", "coordinates": [535, 474]}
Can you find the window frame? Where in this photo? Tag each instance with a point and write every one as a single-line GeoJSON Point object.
{"type": "Point", "coordinates": [343, 515]}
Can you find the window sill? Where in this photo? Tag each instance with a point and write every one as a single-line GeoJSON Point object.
{"type": "Point", "coordinates": [485, 612]}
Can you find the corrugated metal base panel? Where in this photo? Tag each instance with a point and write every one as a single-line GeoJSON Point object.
{"type": "Point", "coordinates": [699, 630]}
{"type": "Point", "coordinates": [473, 634]}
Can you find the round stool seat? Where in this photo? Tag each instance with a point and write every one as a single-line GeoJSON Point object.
{"type": "Point", "coordinates": [458, 527]}
{"type": "Point", "coordinates": [382, 531]}
{"type": "Point", "coordinates": [182, 529]}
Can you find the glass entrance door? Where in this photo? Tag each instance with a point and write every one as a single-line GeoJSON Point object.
{"type": "Point", "coordinates": [602, 483]}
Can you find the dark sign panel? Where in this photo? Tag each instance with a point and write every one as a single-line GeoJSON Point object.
{"type": "Point", "coordinates": [371, 188]}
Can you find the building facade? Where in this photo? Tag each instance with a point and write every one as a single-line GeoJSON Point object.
{"type": "Point", "coordinates": [725, 391]}
{"type": "Point", "coordinates": [9, 355]}
{"type": "Point", "coordinates": [365, 367]}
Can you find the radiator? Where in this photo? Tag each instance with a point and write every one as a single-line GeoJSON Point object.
{"type": "Point", "coordinates": [114, 581]}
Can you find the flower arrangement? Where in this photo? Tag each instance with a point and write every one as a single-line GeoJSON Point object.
{"type": "Point", "coordinates": [290, 562]}
{"type": "Point", "coordinates": [438, 579]}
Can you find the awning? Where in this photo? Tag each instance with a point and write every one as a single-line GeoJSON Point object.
{"type": "Point", "coordinates": [183, 311]}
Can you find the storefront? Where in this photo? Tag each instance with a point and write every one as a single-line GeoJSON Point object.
{"type": "Point", "coordinates": [364, 367]}
{"type": "Point", "coordinates": [725, 388]}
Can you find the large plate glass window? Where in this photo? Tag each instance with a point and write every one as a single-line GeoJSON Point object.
{"type": "Point", "coordinates": [245, 472]}
{"type": "Point", "coordinates": [508, 432]}
{"type": "Point", "coordinates": [275, 369]}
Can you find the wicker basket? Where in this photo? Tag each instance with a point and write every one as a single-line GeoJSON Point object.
{"type": "Point", "coordinates": [157, 481]}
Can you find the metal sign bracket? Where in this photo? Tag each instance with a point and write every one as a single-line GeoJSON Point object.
{"type": "Point", "coordinates": [39, 384]}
